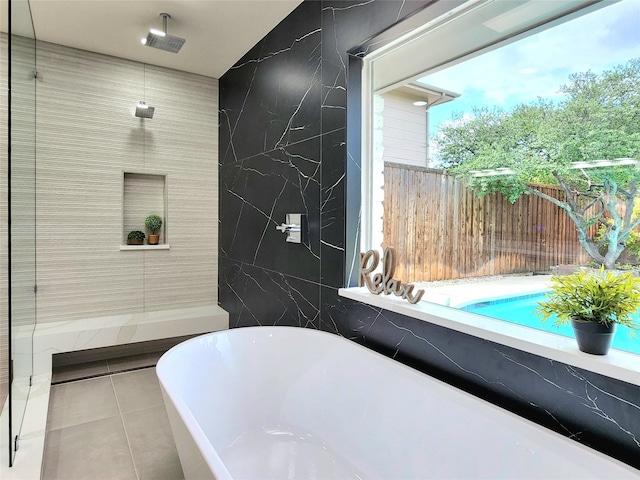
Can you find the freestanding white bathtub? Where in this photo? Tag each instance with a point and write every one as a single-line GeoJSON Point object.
{"type": "Point", "coordinates": [282, 402]}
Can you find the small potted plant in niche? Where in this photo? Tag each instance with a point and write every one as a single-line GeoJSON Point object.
{"type": "Point", "coordinates": [153, 223]}
{"type": "Point", "coordinates": [594, 302]}
{"type": "Point", "coordinates": [135, 237]}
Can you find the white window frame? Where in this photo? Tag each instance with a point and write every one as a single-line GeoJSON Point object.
{"type": "Point", "coordinates": [436, 16]}
{"type": "Point", "coordinates": [617, 364]}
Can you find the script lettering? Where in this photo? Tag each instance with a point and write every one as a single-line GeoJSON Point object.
{"type": "Point", "coordinates": [384, 282]}
{"type": "Point", "coordinates": [368, 263]}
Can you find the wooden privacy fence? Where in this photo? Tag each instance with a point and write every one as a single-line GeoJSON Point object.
{"type": "Point", "coordinates": [441, 230]}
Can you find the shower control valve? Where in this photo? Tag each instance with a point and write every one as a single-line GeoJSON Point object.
{"type": "Point", "coordinates": [295, 227]}
{"type": "Point", "coordinates": [288, 228]}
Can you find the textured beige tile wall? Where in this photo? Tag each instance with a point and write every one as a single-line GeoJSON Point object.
{"type": "Point", "coordinates": [87, 136]}
{"type": "Point", "coordinates": [22, 209]}
{"type": "Point", "coordinates": [23, 200]}
{"type": "Point", "coordinates": [4, 274]}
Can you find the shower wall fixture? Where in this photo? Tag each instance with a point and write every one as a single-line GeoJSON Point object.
{"type": "Point", "coordinates": [295, 227]}
{"type": "Point", "coordinates": [161, 39]}
{"type": "Point", "coordinates": [144, 111]}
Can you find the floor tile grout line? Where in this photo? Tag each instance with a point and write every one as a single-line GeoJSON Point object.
{"type": "Point", "coordinates": [126, 434]}
{"type": "Point", "coordinates": [119, 396]}
{"type": "Point", "coordinates": [81, 423]}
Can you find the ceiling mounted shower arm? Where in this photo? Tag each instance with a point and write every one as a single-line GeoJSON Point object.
{"type": "Point", "coordinates": [165, 20]}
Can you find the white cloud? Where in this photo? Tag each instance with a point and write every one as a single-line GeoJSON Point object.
{"type": "Point", "coordinates": [465, 118]}
{"type": "Point", "coordinates": [538, 65]}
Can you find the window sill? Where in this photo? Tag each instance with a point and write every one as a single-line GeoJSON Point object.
{"type": "Point", "coordinates": [164, 246]}
{"type": "Point", "coordinates": [617, 364]}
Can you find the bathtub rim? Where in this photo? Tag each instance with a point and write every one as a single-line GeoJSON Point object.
{"type": "Point", "coordinates": [374, 354]}
{"type": "Point", "coordinates": [209, 455]}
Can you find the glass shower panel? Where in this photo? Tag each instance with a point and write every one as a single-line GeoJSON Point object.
{"type": "Point", "coordinates": [22, 209]}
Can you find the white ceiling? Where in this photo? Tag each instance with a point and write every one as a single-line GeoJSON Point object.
{"type": "Point", "coordinates": [217, 32]}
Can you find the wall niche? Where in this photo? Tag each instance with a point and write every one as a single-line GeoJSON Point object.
{"type": "Point", "coordinates": [143, 194]}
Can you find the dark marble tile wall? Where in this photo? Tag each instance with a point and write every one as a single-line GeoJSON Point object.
{"type": "Point", "coordinates": [289, 143]}
{"type": "Point", "coordinates": [598, 411]}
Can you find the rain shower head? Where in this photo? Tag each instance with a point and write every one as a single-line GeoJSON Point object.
{"type": "Point", "coordinates": [144, 111]}
{"type": "Point", "coordinates": [161, 39]}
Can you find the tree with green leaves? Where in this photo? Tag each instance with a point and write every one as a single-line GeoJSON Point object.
{"type": "Point", "coordinates": [586, 144]}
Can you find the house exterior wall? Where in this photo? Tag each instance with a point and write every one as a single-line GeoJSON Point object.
{"type": "Point", "coordinates": [404, 130]}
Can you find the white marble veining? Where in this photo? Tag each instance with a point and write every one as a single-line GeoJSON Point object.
{"type": "Point", "coordinates": [73, 335]}
{"type": "Point", "coordinates": [617, 364]}
{"type": "Point", "coordinates": [257, 102]}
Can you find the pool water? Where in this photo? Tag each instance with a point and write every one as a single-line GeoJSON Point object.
{"type": "Point", "coordinates": [523, 311]}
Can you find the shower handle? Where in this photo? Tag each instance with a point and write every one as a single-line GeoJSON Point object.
{"type": "Point", "coordinates": [295, 227]}
{"type": "Point", "coordinates": [284, 228]}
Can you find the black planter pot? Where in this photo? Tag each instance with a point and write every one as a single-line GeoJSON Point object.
{"type": "Point", "coordinates": [594, 338]}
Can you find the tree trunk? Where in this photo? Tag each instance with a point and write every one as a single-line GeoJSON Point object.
{"type": "Point", "coordinates": [615, 236]}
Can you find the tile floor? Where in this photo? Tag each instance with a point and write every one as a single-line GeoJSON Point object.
{"type": "Point", "coordinates": [107, 420]}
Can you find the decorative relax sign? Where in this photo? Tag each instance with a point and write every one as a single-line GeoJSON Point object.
{"type": "Point", "coordinates": [383, 282]}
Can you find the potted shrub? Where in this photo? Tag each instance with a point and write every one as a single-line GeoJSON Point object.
{"type": "Point", "coordinates": [153, 223]}
{"type": "Point", "coordinates": [594, 301]}
{"type": "Point", "coordinates": [135, 237]}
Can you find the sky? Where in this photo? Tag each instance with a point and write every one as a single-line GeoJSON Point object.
{"type": "Point", "coordinates": [537, 65]}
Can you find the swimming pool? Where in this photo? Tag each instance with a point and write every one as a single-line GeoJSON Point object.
{"type": "Point", "coordinates": [523, 311]}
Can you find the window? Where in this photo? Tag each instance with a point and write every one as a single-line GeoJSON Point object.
{"type": "Point", "coordinates": [497, 134]}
